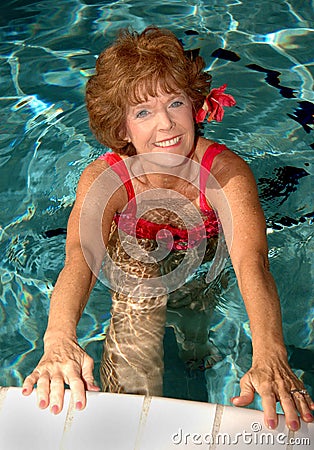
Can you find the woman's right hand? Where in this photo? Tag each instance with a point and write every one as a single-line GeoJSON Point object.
{"type": "Point", "coordinates": [63, 362]}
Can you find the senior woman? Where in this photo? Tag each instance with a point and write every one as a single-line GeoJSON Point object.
{"type": "Point", "coordinates": [148, 220]}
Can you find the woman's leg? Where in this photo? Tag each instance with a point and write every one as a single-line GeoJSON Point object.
{"type": "Point", "coordinates": [133, 350]}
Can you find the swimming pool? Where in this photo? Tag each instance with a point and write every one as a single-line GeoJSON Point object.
{"type": "Point", "coordinates": [48, 50]}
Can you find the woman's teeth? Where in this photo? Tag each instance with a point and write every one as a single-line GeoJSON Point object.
{"type": "Point", "coordinates": [167, 143]}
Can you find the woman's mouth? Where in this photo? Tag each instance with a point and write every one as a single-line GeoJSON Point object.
{"type": "Point", "coordinates": [168, 142]}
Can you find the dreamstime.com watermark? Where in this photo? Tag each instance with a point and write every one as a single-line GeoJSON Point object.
{"type": "Point", "coordinates": [253, 437]}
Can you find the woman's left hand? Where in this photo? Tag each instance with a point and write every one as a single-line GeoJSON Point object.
{"type": "Point", "coordinates": [274, 381]}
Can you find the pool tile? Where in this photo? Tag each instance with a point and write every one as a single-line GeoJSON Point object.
{"type": "Point", "coordinates": [109, 421]}
{"type": "Point", "coordinates": [23, 426]}
{"type": "Point", "coordinates": [173, 424]}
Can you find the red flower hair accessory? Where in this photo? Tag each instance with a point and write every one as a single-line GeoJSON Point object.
{"type": "Point", "coordinates": [213, 105]}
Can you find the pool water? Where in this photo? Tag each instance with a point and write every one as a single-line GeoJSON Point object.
{"type": "Point", "coordinates": [263, 51]}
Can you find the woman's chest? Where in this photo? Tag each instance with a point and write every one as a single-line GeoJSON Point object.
{"type": "Point", "coordinates": [179, 207]}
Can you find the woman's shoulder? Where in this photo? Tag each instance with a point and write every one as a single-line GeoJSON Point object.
{"type": "Point", "coordinates": [93, 170]}
{"type": "Point", "coordinates": [225, 161]}
{"type": "Point", "coordinates": [208, 148]}
{"type": "Point", "coordinates": [100, 164]}
{"type": "Point", "coordinates": [97, 177]}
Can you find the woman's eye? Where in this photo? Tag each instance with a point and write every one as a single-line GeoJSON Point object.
{"type": "Point", "coordinates": [141, 114]}
{"type": "Point", "coordinates": [176, 104]}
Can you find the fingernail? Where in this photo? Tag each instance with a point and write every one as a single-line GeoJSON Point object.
{"type": "Point", "coordinates": [42, 404]}
{"type": "Point", "coordinates": [308, 416]}
{"type": "Point", "coordinates": [79, 405]}
{"type": "Point", "coordinates": [24, 391]}
{"type": "Point", "coordinates": [55, 409]}
{"type": "Point", "coordinates": [271, 424]}
{"type": "Point", "coordinates": [294, 425]}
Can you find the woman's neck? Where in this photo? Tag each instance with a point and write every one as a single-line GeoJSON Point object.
{"type": "Point", "coordinates": [168, 171]}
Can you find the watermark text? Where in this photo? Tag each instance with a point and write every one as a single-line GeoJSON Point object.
{"type": "Point", "coordinates": [253, 437]}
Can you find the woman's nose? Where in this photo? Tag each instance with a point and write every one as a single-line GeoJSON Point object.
{"type": "Point", "coordinates": [165, 121]}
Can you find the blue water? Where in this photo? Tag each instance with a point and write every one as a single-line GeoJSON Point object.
{"type": "Point", "coordinates": [263, 51]}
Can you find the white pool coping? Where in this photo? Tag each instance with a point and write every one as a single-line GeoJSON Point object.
{"type": "Point", "coordinates": [135, 422]}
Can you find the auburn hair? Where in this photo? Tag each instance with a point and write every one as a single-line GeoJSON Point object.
{"type": "Point", "coordinates": [137, 65]}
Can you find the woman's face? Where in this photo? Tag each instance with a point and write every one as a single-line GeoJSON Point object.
{"type": "Point", "coordinates": [162, 124]}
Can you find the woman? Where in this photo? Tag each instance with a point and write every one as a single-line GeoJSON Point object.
{"type": "Point", "coordinates": [146, 209]}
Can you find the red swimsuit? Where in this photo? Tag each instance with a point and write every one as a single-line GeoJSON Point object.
{"type": "Point", "coordinates": [144, 229]}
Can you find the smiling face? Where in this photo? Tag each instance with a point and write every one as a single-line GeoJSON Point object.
{"type": "Point", "coordinates": [162, 124]}
{"type": "Point", "coordinates": [135, 64]}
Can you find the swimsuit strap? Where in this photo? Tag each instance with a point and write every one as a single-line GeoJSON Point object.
{"type": "Point", "coordinates": [206, 164]}
{"type": "Point", "coordinates": [118, 166]}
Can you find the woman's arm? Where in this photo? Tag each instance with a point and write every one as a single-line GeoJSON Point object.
{"type": "Point", "coordinates": [245, 230]}
{"type": "Point", "coordinates": [87, 233]}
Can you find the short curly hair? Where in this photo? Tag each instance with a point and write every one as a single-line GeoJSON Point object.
{"type": "Point", "coordinates": [140, 62]}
